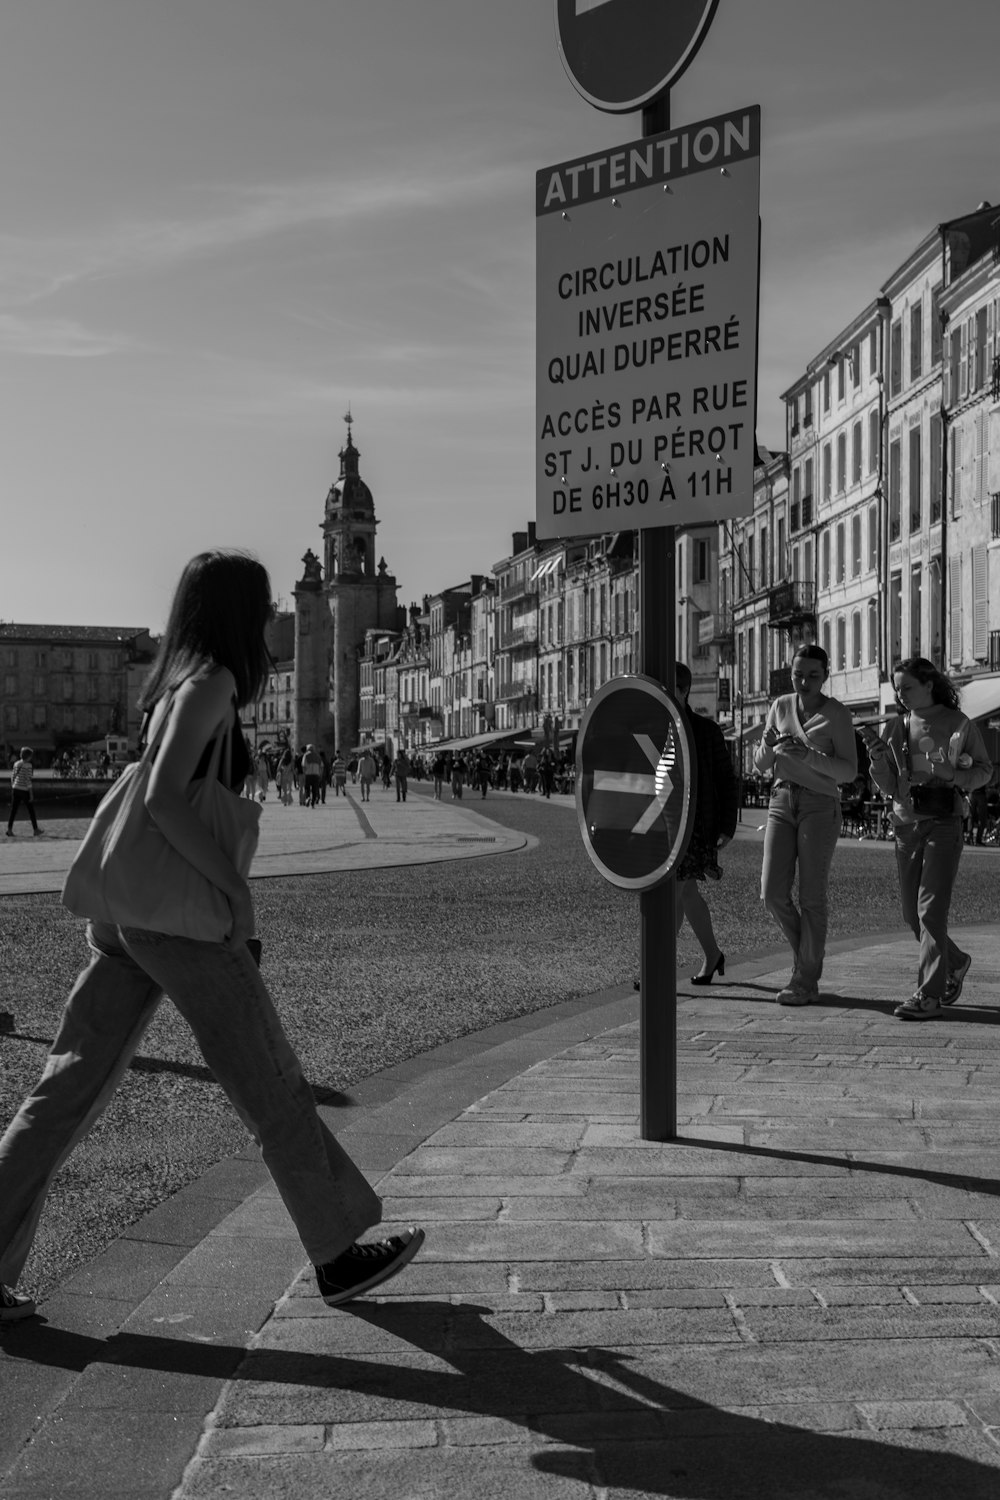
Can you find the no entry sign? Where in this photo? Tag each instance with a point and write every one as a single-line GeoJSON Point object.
{"type": "Point", "coordinates": [623, 54]}
{"type": "Point", "coordinates": [635, 782]}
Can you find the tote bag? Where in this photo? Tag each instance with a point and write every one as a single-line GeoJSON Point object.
{"type": "Point", "coordinates": [128, 874]}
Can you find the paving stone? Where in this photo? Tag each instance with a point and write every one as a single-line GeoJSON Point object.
{"type": "Point", "coordinates": [263, 1440]}
{"type": "Point", "coordinates": [790, 1238]}
{"type": "Point", "coordinates": [884, 1416]}
{"type": "Point", "coordinates": [503, 1473]}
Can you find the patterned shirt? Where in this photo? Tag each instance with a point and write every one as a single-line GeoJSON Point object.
{"type": "Point", "coordinates": [20, 777]}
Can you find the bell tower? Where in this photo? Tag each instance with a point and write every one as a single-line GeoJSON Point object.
{"type": "Point", "coordinates": [360, 596]}
{"type": "Point", "coordinates": [349, 523]}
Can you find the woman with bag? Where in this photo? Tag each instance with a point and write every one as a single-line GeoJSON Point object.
{"type": "Point", "coordinates": [808, 743]}
{"type": "Point", "coordinates": [173, 807]}
{"type": "Point", "coordinates": [932, 755]}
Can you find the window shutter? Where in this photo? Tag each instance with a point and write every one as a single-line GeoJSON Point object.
{"type": "Point", "coordinates": [982, 454]}
{"type": "Point", "coordinates": [955, 607]}
{"type": "Point", "coordinates": [980, 637]}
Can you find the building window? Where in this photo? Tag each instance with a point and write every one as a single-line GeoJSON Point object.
{"type": "Point", "coordinates": [827, 647]}
{"type": "Point", "coordinates": [700, 561]}
{"type": "Point", "coordinates": [841, 644]}
{"type": "Point", "coordinates": [873, 424]}
{"type": "Point", "coordinates": [895, 451]}
{"type": "Point", "coordinates": [896, 358]}
{"type": "Point", "coordinates": [40, 716]}
{"type": "Point", "coordinates": [872, 539]}
{"type": "Point", "coordinates": [825, 560]}
{"type": "Point", "coordinates": [896, 617]}
{"type": "Point", "coordinates": [856, 453]}
{"type": "Point", "coordinates": [916, 607]}
{"type": "Point", "coordinates": [841, 392]}
{"type": "Point", "coordinates": [873, 352]}
{"type": "Point", "coordinates": [916, 340]}
{"type": "Point", "coordinates": [872, 632]}
{"type": "Point", "coordinates": [980, 367]}
{"type": "Point", "coordinates": [826, 390]}
{"type": "Point", "coordinates": [841, 552]}
{"type": "Point", "coordinates": [841, 462]}
{"type": "Point", "coordinates": [936, 454]}
{"type": "Point", "coordinates": [937, 335]}
{"type": "Point", "coordinates": [856, 638]}
{"type": "Point", "coordinates": [856, 546]}
{"type": "Point", "coordinates": [916, 477]}
{"type": "Point", "coordinates": [827, 471]}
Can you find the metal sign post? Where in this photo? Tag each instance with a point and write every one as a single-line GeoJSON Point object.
{"type": "Point", "coordinates": [658, 907]}
{"type": "Point", "coordinates": [648, 289]}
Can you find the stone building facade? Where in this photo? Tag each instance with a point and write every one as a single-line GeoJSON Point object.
{"type": "Point", "coordinates": [67, 685]}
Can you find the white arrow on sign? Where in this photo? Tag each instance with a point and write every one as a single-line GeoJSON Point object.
{"type": "Point", "coordinates": [657, 787]}
{"type": "Point", "coordinates": [582, 6]}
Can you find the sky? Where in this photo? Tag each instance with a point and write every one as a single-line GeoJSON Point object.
{"type": "Point", "coordinates": [227, 222]}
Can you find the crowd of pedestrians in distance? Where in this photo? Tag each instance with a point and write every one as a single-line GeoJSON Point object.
{"type": "Point", "coordinates": [305, 776]}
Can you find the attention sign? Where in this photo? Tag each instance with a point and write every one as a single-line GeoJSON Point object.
{"type": "Point", "coordinates": [647, 298]}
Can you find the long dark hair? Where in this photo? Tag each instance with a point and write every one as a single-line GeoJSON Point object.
{"type": "Point", "coordinates": [219, 612]}
{"type": "Point", "coordinates": [943, 690]}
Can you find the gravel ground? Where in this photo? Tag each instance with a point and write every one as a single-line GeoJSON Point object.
{"type": "Point", "coordinates": [368, 970]}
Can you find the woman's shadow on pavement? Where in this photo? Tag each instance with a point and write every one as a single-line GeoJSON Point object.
{"type": "Point", "coordinates": [600, 1418]}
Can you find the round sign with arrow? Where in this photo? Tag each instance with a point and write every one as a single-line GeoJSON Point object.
{"type": "Point", "coordinates": [622, 54]}
{"type": "Point", "coordinates": [635, 782]}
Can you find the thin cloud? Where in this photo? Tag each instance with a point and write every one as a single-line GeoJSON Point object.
{"type": "Point", "coordinates": [31, 269]}
{"type": "Point", "coordinates": [56, 338]}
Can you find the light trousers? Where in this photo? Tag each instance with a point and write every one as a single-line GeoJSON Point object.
{"type": "Point", "coordinates": [800, 837]}
{"type": "Point", "coordinates": [219, 992]}
{"type": "Point", "coordinates": [927, 858]}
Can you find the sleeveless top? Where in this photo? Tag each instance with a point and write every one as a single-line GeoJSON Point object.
{"type": "Point", "coordinates": [240, 767]}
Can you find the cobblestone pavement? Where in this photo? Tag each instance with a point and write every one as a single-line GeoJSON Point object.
{"type": "Point", "coordinates": [798, 1297]}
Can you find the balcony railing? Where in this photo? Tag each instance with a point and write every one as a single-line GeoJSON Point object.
{"type": "Point", "coordinates": [524, 588]}
{"type": "Point", "coordinates": [412, 708]}
{"type": "Point", "coordinates": [715, 629]}
{"type": "Point", "coordinates": [523, 634]}
{"type": "Point", "coordinates": [792, 602]}
{"type": "Point", "coordinates": [517, 688]}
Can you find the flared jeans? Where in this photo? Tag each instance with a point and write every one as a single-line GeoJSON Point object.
{"type": "Point", "coordinates": [801, 835]}
{"type": "Point", "coordinates": [221, 995]}
{"type": "Point", "coordinates": [927, 858]}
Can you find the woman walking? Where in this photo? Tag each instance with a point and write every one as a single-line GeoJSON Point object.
{"type": "Point", "coordinates": [808, 745]}
{"type": "Point", "coordinates": [716, 811]}
{"type": "Point", "coordinates": [932, 755]}
{"type": "Point", "coordinates": [212, 660]}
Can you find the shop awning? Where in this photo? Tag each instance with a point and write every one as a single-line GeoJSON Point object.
{"type": "Point", "coordinates": [479, 741]}
{"type": "Point", "coordinates": [980, 697]}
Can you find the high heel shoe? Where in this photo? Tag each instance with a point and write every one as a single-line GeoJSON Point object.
{"type": "Point", "coordinates": [719, 967]}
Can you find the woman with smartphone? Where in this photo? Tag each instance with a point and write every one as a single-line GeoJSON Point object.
{"type": "Point", "coordinates": [808, 746]}
{"type": "Point", "coordinates": [932, 755]}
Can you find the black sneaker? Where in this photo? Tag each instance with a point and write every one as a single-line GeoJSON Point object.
{"type": "Point", "coordinates": [13, 1307]}
{"type": "Point", "coordinates": [363, 1267]}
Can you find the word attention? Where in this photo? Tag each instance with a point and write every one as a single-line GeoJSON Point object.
{"type": "Point", "coordinates": [663, 158]}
